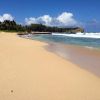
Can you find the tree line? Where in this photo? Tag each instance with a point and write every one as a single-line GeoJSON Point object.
{"type": "Point", "coordinates": [13, 26]}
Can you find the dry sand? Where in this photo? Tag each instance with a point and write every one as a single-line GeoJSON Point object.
{"type": "Point", "coordinates": [29, 72]}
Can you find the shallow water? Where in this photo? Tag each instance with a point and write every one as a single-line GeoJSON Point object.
{"type": "Point", "coordinates": [88, 59]}
{"type": "Point", "coordinates": [86, 42]}
{"type": "Point", "coordinates": [84, 52]}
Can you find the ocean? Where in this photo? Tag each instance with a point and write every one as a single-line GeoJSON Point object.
{"type": "Point", "coordinates": [88, 40]}
{"type": "Point", "coordinates": [82, 49]}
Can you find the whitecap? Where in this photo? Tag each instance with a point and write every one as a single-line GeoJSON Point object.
{"type": "Point", "coordinates": [79, 34]}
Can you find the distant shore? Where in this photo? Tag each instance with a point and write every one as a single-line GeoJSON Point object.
{"type": "Point", "coordinates": [28, 71]}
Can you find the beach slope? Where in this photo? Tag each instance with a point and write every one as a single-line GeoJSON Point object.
{"type": "Point", "coordinates": [29, 72]}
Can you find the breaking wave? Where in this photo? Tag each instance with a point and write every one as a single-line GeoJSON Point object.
{"type": "Point", "coordinates": [81, 35]}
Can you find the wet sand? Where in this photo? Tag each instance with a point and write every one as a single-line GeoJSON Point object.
{"type": "Point", "coordinates": [29, 72]}
{"type": "Point", "coordinates": [85, 57]}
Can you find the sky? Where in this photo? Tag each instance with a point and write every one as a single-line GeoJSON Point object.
{"type": "Point", "coordinates": [66, 13]}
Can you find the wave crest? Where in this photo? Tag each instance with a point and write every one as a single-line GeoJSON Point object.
{"type": "Point", "coordinates": [79, 34]}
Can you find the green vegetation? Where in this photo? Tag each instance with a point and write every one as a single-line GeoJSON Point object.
{"type": "Point", "coordinates": [12, 26]}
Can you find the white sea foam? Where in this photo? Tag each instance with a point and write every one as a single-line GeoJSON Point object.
{"type": "Point", "coordinates": [89, 47]}
{"type": "Point", "coordinates": [83, 35]}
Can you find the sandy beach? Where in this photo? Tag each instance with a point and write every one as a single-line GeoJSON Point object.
{"type": "Point", "coordinates": [29, 72]}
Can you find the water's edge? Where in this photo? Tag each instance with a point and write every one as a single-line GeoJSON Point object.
{"type": "Point", "coordinates": [85, 58]}
{"type": "Point", "coordinates": [88, 59]}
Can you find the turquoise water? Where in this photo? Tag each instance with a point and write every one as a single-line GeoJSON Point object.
{"type": "Point", "coordinates": [87, 42]}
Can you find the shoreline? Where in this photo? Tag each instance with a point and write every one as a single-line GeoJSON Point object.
{"type": "Point", "coordinates": [86, 58]}
{"type": "Point", "coordinates": [32, 72]}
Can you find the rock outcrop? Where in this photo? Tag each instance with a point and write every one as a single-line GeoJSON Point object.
{"type": "Point", "coordinates": [75, 30]}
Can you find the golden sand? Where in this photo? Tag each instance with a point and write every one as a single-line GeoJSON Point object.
{"type": "Point", "coordinates": [29, 72]}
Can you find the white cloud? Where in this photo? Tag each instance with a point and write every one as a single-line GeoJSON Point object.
{"type": "Point", "coordinates": [6, 17]}
{"type": "Point", "coordinates": [64, 19]}
{"type": "Point", "coordinates": [46, 19]}
{"type": "Point", "coordinates": [30, 20]}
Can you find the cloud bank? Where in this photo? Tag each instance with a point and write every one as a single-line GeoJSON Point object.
{"type": "Point", "coordinates": [6, 17]}
{"type": "Point", "coordinates": [64, 19]}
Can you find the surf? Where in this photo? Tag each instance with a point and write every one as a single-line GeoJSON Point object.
{"type": "Point", "coordinates": [80, 35]}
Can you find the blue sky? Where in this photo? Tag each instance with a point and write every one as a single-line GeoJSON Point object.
{"type": "Point", "coordinates": [85, 12]}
